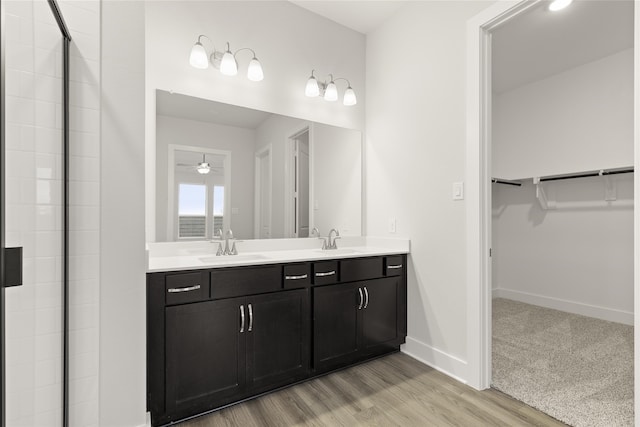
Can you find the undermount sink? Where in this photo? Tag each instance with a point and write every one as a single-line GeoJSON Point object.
{"type": "Point", "coordinates": [232, 258]}
{"type": "Point", "coordinates": [343, 251]}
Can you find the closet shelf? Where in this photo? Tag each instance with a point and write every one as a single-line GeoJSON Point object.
{"type": "Point", "coordinates": [506, 182]}
{"type": "Point", "coordinates": [601, 172]}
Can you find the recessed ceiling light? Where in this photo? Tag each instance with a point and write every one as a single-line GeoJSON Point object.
{"type": "Point", "coordinates": [559, 5]}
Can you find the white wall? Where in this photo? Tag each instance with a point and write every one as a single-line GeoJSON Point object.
{"type": "Point", "coordinates": [415, 150]}
{"type": "Point", "coordinates": [577, 258]}
{"type": "Point", "coordinates": [337, 169]}
{"type": "Point", "coordinates": [289, 42]}
{"type": "Point", "coordinates": [578, 120]}
{"type": "Point", "coordinates": [239, 141]}
{"type": "Point", "coordinates": [122, 392]}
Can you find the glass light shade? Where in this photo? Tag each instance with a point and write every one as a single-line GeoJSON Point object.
{"type": "Point", "coordinates": [331, 92]}
{"type": "Point", "coordinates": [199, 58]}
{"type": "Point", "coordinates": [349, 97]}
{"type": "Point", "coordinates": [228, 65]}
{"type": "Point", "coordinates": [559, 5]}
{"type": "Point", "coordinates": [312, 88]}
{"type": "Point", "coordinates": [254, 73]}
{"type": "Point", "coordinates": [203, 168]}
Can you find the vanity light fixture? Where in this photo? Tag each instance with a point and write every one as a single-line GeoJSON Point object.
{"type": "Point", "coordinates": [225, 61]}
{"type": "Point", "coordinates": [329, 90]}
{"type": "Point", "coordinates": [203, 167]}
{"type": "Point", "coordinates": [557, 5]}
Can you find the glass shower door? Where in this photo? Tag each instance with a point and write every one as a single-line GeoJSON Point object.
{"type": "Point", "coordinates": [34, 115]}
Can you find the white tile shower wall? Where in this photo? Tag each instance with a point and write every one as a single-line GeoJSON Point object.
{"type": "Point", "coordinates": [34, 219]}
{"type": "Point", "coordinates": [83, 20]}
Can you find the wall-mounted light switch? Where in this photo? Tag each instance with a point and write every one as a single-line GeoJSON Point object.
{"type": "Point", "coordinates": [458, 191]}
{"type": "Point", "coordinates": [392, 225]}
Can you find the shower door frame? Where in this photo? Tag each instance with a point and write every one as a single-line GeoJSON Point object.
{"type": "Point", "coordinates": [66, 42]}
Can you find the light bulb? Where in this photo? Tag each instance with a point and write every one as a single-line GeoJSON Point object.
{"type": "Point", "coordinates": [199, 58]}
{"type": "Point", "coordinates": [254, 73]}
{"type": "Point", "coordinates": [228, 65]}
{"type": "Point", "coordinates": [349, 97]}
{"type": "Point", "coordinates": [559, 5]}
{"type": "Point", "coordinates": [331, 92]}
{"type": "Point", "coordinates": [312, 88]}
{"type": "Point", "coordinates": [203, 168]}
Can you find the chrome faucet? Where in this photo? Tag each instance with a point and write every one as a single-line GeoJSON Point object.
{"type": "Point", "coordinates": [332, 243]}
{"type": "Point", "coordinates": [230, 250]}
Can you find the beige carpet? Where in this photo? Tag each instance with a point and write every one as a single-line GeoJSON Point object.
{"type": "Point", "coordinates": [577, 369]}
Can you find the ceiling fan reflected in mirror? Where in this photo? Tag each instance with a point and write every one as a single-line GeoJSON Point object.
{"type": "Point", "coordinates": [202, 167]}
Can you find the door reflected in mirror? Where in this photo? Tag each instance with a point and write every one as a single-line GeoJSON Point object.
{"type": "Point", "coordinates": [262, 175]}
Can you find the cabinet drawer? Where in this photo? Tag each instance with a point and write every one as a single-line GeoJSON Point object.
{"type": "Point", "coordinates": [184, 288]}
{"type": "Point", "coordinates": [352, 270]}
{"type": "Point", "coordinates": [393, 265]}
{"type": "Point", "coordinates": [297, 275]}
{"type": "Point", "coordinates": [325, 273]}
{"type": "Point", "coordinates": [233, 282]}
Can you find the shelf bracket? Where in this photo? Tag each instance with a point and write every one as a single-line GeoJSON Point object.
{"type": "Point", "coordinates": [541, 195]}
{"type": "Point", "coordinates": [610, 193]}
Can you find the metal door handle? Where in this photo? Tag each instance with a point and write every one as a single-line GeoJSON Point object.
{"type": "Point", "coordinates": [366, 297]}
{"type": "Point", "coordinates": [394, 267]}
{"type": "Point", "coordinates": [189, 289]}
{"type": "Point", "coordinates": [361, 299]}
{"type": "Point", "coordinates": [250, 318]}
{"type": "Point", "coordinates": [302, 276]}
{"type": "Point", "coordinates": [242, 318]}
{"type": "Point", "coordinates": [327, 273]}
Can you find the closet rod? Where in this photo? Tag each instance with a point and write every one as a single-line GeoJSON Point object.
{"type": "Point", "coordinates": [587, 174]}
{"type": "Point", "coordinates": [505, 181]}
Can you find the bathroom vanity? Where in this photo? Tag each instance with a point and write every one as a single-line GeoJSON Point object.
{"type": "Point", "coordinates": [224, 329]}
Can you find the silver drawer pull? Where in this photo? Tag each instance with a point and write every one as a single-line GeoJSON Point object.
{"type": "Point", "coordinates": [250, 318]}
{"type": "Point", "coordinates": [366, 297]}
{"type": "Point", "coordinates": [189, 289]}
{"type": "Point", "coordinates": [394, 267]}
{"type": "Point", "coordinates": [361, 299]}
{"type": "Point", "coordinates": [326, 273]}
{"type": "Point", "coordinates": [302, 276]}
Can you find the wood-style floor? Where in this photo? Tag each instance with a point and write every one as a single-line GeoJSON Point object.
{"type": "Point", "coordinates": [395, 390]}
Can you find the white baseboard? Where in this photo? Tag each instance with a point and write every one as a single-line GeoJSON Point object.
{"type": "Point", "coordinates": [603, 313]}
{"type": "Point", "coordinates": [437, 359]}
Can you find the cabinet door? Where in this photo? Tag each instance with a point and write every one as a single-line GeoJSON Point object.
{"type": "Point", "coordinates": [278, 338]}
{"type": "Point", "coordinates": [335, 325]}
{"type": "Point", "coordinates": [380, 314]}
{"type": "Point", "coordinates": [205, 354]}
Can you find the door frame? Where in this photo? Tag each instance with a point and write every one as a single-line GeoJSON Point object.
{"type": "Point", "coordinates": [260, 154]}
{"type": "Point", "coordinates": [289, 176]}
{"type": "Point", "coordinates": [478, 167]}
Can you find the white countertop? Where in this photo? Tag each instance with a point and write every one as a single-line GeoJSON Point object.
{"type": "Point", "coordinates": [175, 256]}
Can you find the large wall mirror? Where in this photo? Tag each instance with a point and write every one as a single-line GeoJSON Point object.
{"type": "Point", "coordinates": [221, 167]}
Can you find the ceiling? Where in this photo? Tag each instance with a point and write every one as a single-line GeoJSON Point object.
{"type": "Point", "coordinates": [540, 43]}
{"type": "Point", "coordinates": [203, 110]}
{"type": "Point", "coordinates": [361, 16]}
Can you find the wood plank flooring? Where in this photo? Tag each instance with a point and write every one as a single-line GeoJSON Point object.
{"type": "Point", "coordinates": [395, 390]}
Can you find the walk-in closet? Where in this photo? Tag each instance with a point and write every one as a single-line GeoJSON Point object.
{"type": "Point", "coordinates": [562, 211]}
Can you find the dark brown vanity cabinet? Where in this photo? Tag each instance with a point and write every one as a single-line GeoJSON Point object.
{"type": "Point", "coordinates": [218, 336]}
{"type": "Point", "coordinates": [357, 320]}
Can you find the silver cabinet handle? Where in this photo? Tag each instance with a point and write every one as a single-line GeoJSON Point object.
{"type": "Point", "coordinates": [190, 288]}
{"type": "Point", "coordinates": [242, 318]}
{"type": "Point", "coordinates": [394, 267]}
{"type": "Point", "coordinates": [302, 276]}
{"type": "Point", "coordinates": [326, 273]}
{"type": "Point", "coordinates": [250, 319]}
{"type": "Point", "coordinates": [361, 299]}
{"type": "Point", "coordinates": [366, 297]}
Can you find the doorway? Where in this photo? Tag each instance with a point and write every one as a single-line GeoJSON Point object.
{"type": "Point", "coordinates": [479, 195]}
{"type": "Point", "coordinates": [263, 193]}
{"type": "Point", "coordinates": [298, 212]}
